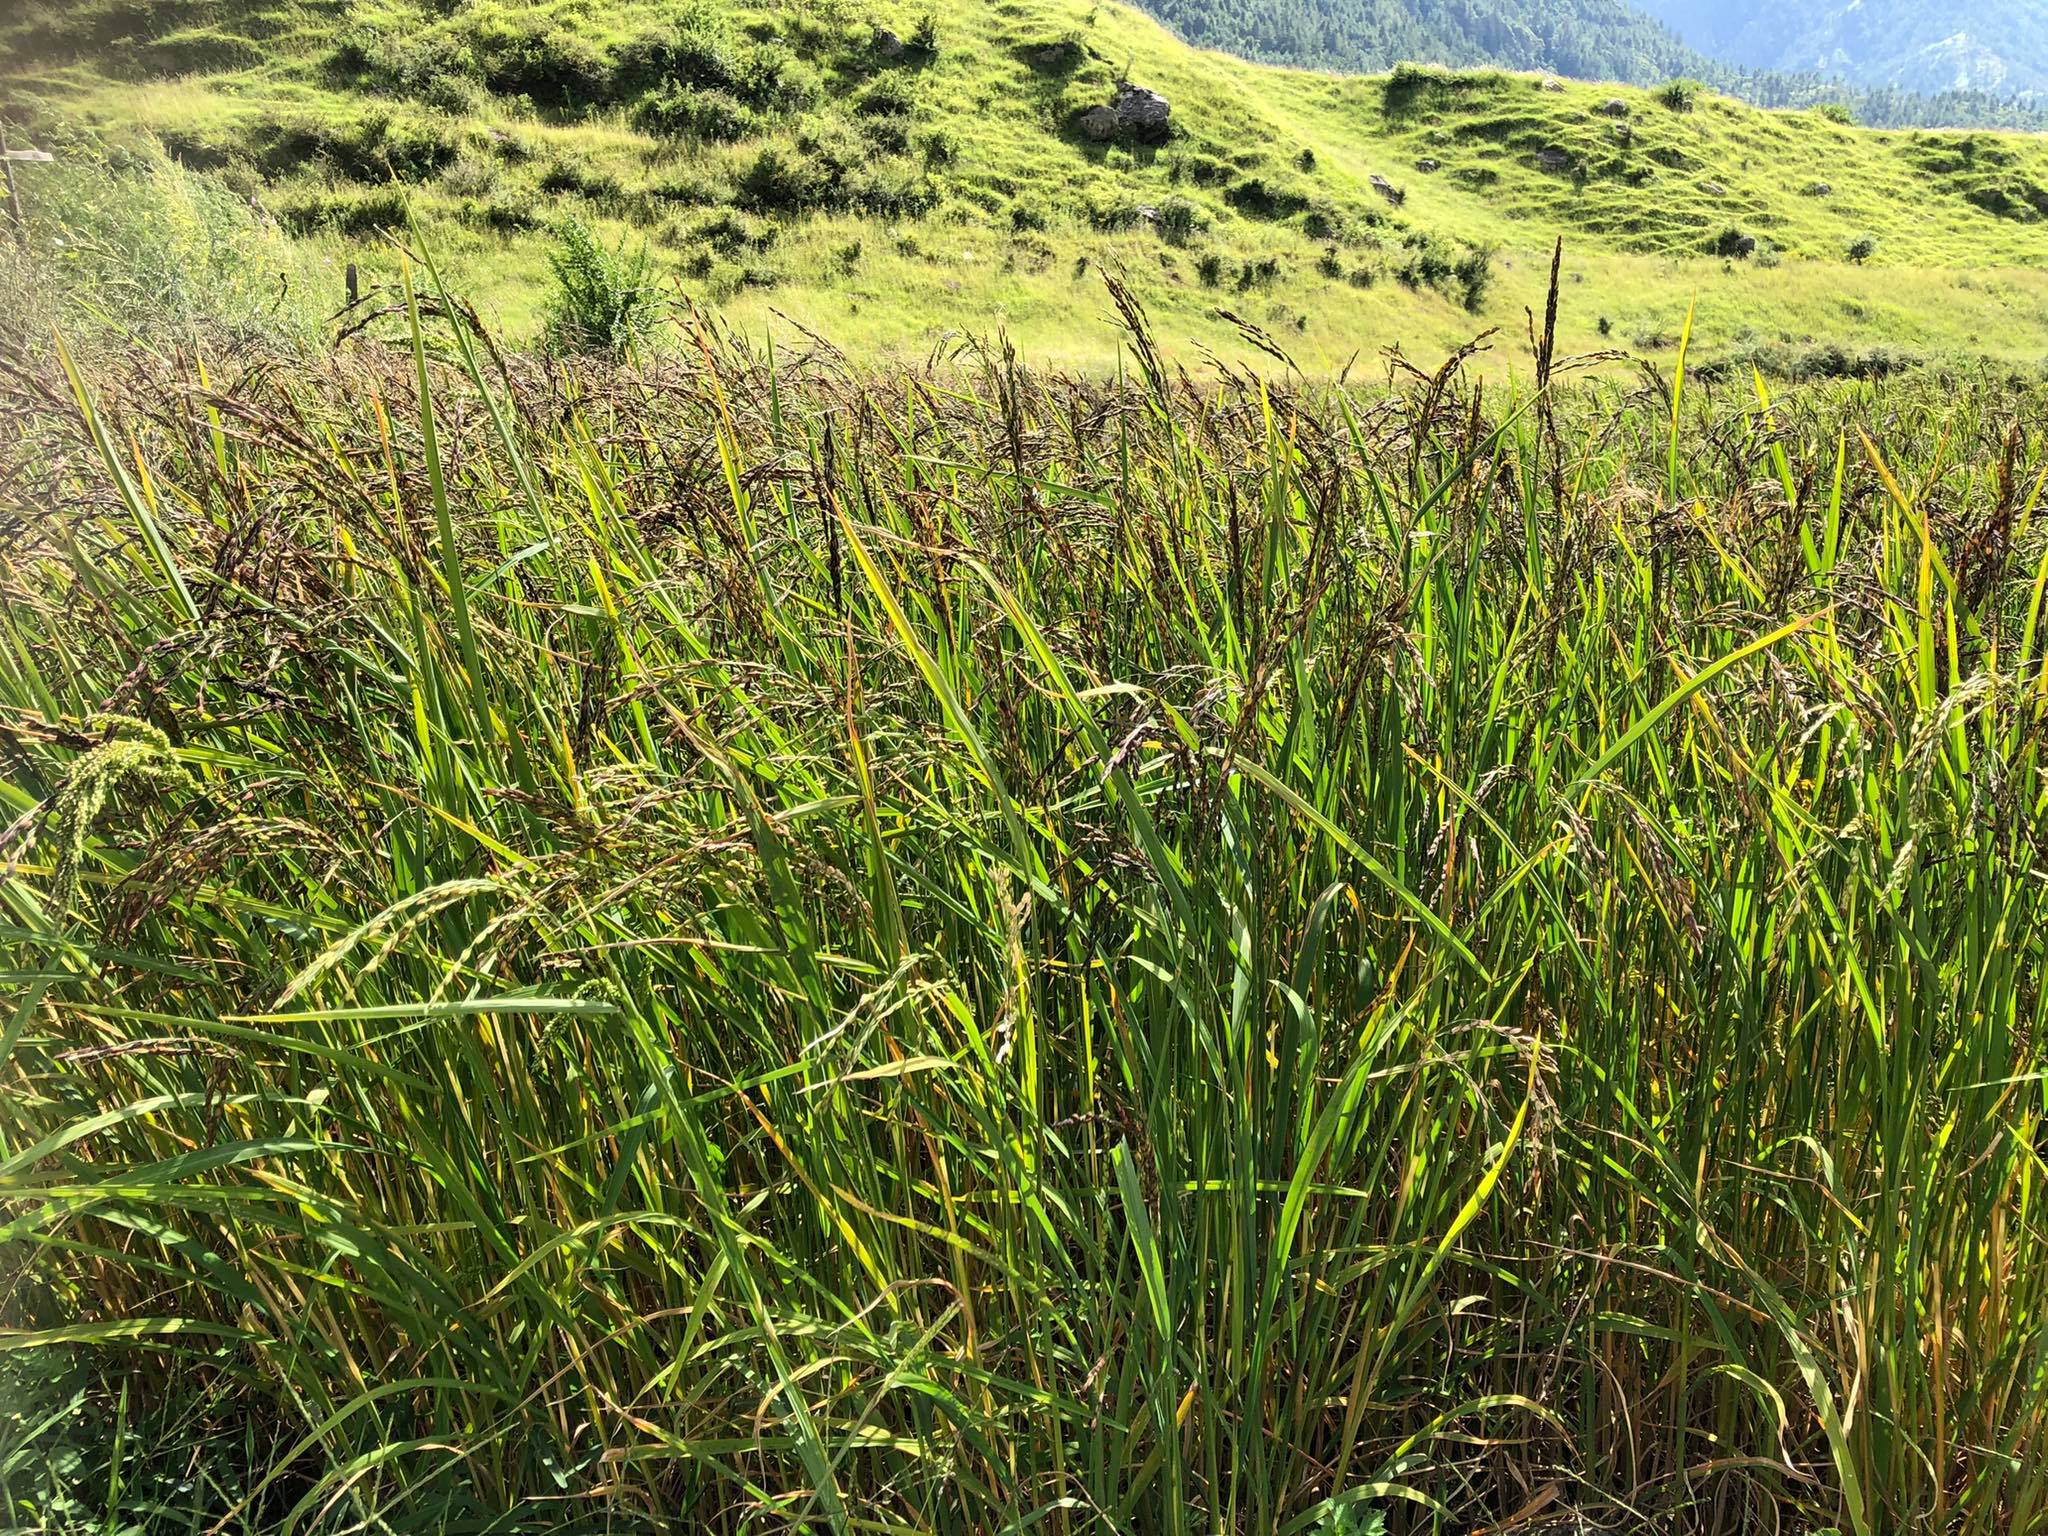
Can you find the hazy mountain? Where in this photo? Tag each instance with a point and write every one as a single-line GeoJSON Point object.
{"type": "Point", "coordinates": [2000, 46]}
{"type": "Point", "coordinates": [1893, 63]}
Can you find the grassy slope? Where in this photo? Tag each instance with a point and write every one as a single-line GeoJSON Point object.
{"type": "Point", "coordinates": [1948, 274]}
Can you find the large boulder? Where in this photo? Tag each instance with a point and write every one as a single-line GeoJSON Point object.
{"type": "Point", "coordinates": [1141, 111]}
{"type": "Point", "coordinates": [1614, 106]}
{"type": "Point", "coordinates": [888, 44]}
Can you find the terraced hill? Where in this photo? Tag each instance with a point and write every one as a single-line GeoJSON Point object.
{"type": "Point", "coordinates": [888, 179]}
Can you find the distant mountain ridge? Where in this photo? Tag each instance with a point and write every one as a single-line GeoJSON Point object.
{"type": "Point", "coordinates": [1999, 46]}
{"type": "Point", "coordinates": [1891, 63]}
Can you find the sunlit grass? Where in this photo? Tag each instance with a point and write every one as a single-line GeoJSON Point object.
{"type": "Point", "coordinates": [757, 944]}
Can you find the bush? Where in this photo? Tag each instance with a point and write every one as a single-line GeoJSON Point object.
{"type": "Point", "coordinates": [604, 299]}
{"type": "Point", "coordinates": [698, 53]}
{"type": "Point", "coordinates": [1179, 220]}
{"type": "Point", "coordinates": [1324, 223]}
{"type": "Point", "coordinates": [530, 56]}
{"type": "Point", "coordinates": [779, 182]}
{"type": "Point", "coordinates": [1257, 198]}
{"type": "Point", "coordinates": [684, 112]}
{"type": "Point", "coordinates": [1680, 95]}
{"type": "Point", "coordinates": [924, 36]}
{"type": "Point", "coordinates": [1474, 274]}
{"type": "Point", "coordinates": [1835, 112]}
{"type": "Point", "coordinates": [887, 97]}
{"type": "Point", "coordinates": [1209, 268]}
{"type": "Point", "coordinates": [1027, 218]}
{"type": "Point", "coordinates": [1862, 248]}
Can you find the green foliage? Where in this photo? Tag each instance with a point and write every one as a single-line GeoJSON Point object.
{"type": "Point", "coordinates": [1862, 248]}
{"type": "Point", "coordinates": [970, 947]}
{"type": "Point", "coordinates": [124, 241]}
{"type": "Point", "coordinates": [1679, 95]}
{"type": "Point", "coordinates": [604, 300]}
{"type": "Point", "coordinates": [683, 112]}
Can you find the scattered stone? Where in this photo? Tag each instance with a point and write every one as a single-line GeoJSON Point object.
{"type": "Point", "coordinates": [1427, 166]}
{"type": "Point", "coordinates": [1058, 55]}
{"type": "Point", "coordinates": [1388, 190]}
{"type": "Point", "coordinates": [1820, 189]}
{"type": "Point", "coordinates": [1713, 189]}
{"type": "Point", "coordinates": [1614, 106]}
{"type": "Point", "coordinates": [1745, 247]}
{"type": "Point", "coordinates": [1553, 160]}
{"type": "Point", "coordinates": [1552, 83]}
{"type": "Point", "coordinates": [888, 44]}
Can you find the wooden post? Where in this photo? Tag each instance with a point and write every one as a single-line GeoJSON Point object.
{"type": "Point", "coordinates": [9, 158]}
{"type": "Point", "coordinates": [354, 287]}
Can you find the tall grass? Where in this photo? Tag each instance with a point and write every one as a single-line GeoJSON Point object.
{"type": "Point", "coordinates": [748, 946]}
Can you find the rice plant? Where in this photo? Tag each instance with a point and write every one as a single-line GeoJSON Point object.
{"type": "Point", "coordinates": [750, 944]}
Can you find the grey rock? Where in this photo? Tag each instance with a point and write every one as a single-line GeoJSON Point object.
{"type": "Point", "coordinates": [1427, 165]}
{"type": "Point", "coordinates": [1553, 160]}
{"type": "Point", "coordinates": [1140, 110]}
{"type": "Point", "coordinates": [1101, 124]}
{"type": "Point", "coordinates": [888, 44]}
{"type": "Point", "coordinates": [1713, 189]}
{"type": "Point", "coordinates": [1614, 106]}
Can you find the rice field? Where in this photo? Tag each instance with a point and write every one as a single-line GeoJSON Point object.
{"type": "Point", "coordinates": [745, 943]}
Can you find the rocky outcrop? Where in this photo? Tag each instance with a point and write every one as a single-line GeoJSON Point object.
{"type": "Point", "coordinates": [1133, 113]}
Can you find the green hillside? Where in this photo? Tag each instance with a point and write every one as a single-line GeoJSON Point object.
{"type": "Point", "coordinates": [885, 185]}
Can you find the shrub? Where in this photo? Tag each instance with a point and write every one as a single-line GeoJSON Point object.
{"type": "Point", "coordinates": [1474, 274]}
{"type": "Point", "coordinates": [698, 53]}
{"type": "Point", "coordinates": [563, 179]}
{"type": "Point", "coordinates": [1178, 220]}
{"type": "Point", "coordinates": [940, 147]}
{"type": "Point", "coordinates": [924, 36]}
{"type": "Point", "coordinates": [604, 299]}
{"type": "Point", "coordinates": [1680, 95]}
{"type": "Point", "coordinates": [1323, 223]}
{"type": "Point", "coordinates": [1209, 268]}
{"type": "Point", "coordinates": [684, 112]}
{"type": "Point", "coordinates": [888, 97]}
{"type": "Point", "coordinates": [1862, 248]}
{"type": "Point", "coordinates": [1257, 198]}
{"type": "Point", "coordinates": [778, 181]}
{"type": "Point", "coordinates": [1027, 217]}
{"type": "Point", "coordinates": [1306, 160]}
{"type": "Point", "coordinates": [530, 56]}
{"type": "Point", "coordinates": [1836, 112]}
{"type": "Point", "coordinates": [1329, 263]}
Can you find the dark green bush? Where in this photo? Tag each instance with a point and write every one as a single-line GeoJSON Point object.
{"type": "Point", "coordinates": [1178, 220]}
{"type": "Point", "coordinates": [889, 96]}
{"type": "Point", "coordinates": [684, 112]}
{"type": "Point", "coordinates": [531, 56]}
